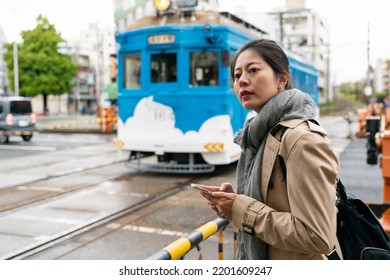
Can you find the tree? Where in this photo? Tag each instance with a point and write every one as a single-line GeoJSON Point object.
{"type": "Point", "coordinates": [42, 68]}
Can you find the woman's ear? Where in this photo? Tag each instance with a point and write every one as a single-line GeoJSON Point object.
{"type": "Point", "coordinates": [283, 80]}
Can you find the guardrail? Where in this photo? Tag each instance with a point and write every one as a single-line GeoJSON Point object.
{"type": "Point", "coordinates": [102, 124]}
{"type": "Point", "coordinates": [179, 248]}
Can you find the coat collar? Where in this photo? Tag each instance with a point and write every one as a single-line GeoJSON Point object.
{"type": "Point", "coordinates": [291, 123]}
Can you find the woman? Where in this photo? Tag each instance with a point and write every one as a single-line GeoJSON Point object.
{"type": "Point", "coordinates": [284, 209]}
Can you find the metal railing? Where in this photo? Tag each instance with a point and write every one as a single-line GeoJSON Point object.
{"type": "Point", "coordinates": [179, 248]}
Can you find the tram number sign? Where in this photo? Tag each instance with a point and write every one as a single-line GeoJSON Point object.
{"type": "Point", "coordinates": [163, 116]}
{"type": "Point", "coordinates": [161, 39]}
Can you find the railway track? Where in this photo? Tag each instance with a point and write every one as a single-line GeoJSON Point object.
{"type": "Point", "coordinates": [46, 216]}
{"type": "Point", "coordinates": [33, 249]}
{"type": "Point", "coordinates": [15, 197]}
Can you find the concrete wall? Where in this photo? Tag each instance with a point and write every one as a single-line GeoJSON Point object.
{"type": "Point", "coordinates": [56, 104]}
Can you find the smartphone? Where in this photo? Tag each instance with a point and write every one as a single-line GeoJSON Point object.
{"type": "Point", "coordinates": [201, 188]}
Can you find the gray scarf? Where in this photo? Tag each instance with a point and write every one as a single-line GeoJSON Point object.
{"type": "Point", "coordinates": [289, 104]}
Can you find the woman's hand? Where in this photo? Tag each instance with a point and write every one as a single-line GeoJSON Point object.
{"type": "Point", "coordinates": [221, 199]}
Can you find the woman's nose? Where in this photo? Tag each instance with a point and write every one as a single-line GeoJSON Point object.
{"type": "Point", "coordinates": [243, 80]}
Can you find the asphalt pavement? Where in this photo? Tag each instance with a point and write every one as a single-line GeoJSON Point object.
{"type": "Point", "coordinates": [360, 179]}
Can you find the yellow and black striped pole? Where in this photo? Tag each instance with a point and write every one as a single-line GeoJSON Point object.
{"type": "Point", "coordinates": [183, 245]}
{"type": "Point", "coordinates": [220, 244]}
{"type": "Point", "coordinates": [235, 230]}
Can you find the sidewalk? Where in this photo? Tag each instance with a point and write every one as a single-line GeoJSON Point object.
{"type": "Point", "coordinates": [69, 124]}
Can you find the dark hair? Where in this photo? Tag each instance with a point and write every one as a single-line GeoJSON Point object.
{"type": "Point", "coordinates": [271, 52]}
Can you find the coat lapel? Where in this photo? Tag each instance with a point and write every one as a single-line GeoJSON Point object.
{"type": "Point", "coordinates": [271, 151]}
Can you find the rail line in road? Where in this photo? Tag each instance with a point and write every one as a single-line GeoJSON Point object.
{"type": "Point", "coordinates": [60, 218]}
{"type": "Point", "coordinates": [17, 197]}
{"type": "Point", "coordinates": [61, 237]}
{"type": "Point", "coordinates": [48, 199]}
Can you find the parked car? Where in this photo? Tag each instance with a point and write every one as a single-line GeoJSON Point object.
{"type": "Point", "coordinates": [16, 118]}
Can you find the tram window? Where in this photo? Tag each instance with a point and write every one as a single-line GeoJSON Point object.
{"type": "Point", "coordinates": [204, 69]}
{"type": "Point", "coordinates": [132, 71]}
{"type": "Point", "coordinates": [163, 68]}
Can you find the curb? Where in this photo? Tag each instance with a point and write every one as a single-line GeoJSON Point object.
{"type": "Point", "coordinates": [74, 130]}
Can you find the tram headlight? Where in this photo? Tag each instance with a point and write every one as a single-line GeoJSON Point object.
{"type": "Point", "coordinates": [162, 5]}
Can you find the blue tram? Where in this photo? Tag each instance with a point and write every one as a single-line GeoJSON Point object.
{"type": "Point", "coordinates": [175, 94]}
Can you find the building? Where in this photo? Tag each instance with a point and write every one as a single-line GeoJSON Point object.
{"type": "Point", "coordinates": [93, 51]}
{"type": "Point", "coordinates": [305, 32]}
{"type": "Point", "coordinates": [84, 97]}
{"type": "Point", "coordinates": [127, 11]}
{"type": "Point", "coordinates": [382, 76]}
{"type": "Point", "coordinates": [301, 31]}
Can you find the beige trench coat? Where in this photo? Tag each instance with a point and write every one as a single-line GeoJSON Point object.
{"type": "Point", "coordinates": [297, 220]}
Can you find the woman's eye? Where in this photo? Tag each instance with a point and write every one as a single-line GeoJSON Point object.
{"type": "Point", "coordinates": [237, 76]}
{"type": "Point", "coordinates": [252, 70]}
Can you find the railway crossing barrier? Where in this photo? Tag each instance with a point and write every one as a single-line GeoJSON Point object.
{"type": "Point", "coordinates": [107, 118]}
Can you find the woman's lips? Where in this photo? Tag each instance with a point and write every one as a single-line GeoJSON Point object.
{"type": "Point", "coordinates": [245, 94]}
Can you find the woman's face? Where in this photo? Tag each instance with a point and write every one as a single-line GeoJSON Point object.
{"type": "Point", "coordinates": [255, 81]}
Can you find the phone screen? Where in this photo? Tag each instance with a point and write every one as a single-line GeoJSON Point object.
{"type": "Point", "coordinates": [201, 188]}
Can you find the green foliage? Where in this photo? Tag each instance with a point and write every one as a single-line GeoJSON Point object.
{"type": "Point", "coordinates": [340, 106]}
{"type": "Point", "coordinates": [327, 105]}
{"type": "Point", "coordinates": [380, 95]}
{"type": "Point", "coordinates": [42, 69]}
{"type": "Point", "coordinates": [349, 96]}
{"type": "Point", "coordinates": [351, 90]}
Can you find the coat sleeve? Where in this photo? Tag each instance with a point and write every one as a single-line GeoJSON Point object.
{"type": "Point", "coordinates": [312, 171]}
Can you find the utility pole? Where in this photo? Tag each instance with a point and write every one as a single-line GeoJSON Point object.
{"type": "Point", "coordinates": [368, 88]}
{"type": "Point", "coordinates": [16, 70]}
{"type": "Point", "coordinates": [100, 65]}
{"type": "Point", "coordinates": [77, 92]}
{"type": "Point", "coordinates": [281, 28]}
{"type": "Point", "coordinates": [280, 16]}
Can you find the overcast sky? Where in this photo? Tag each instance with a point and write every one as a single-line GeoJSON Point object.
{"type": "Point", "coordinates": [348, 22]}
{"type": "Point", "coordinates": [70, 17]}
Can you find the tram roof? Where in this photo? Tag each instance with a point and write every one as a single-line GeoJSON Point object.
{"type": "Point", "coordinates": [297, 60]}
{"type": "Point", "coordinates": [201, 17]}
